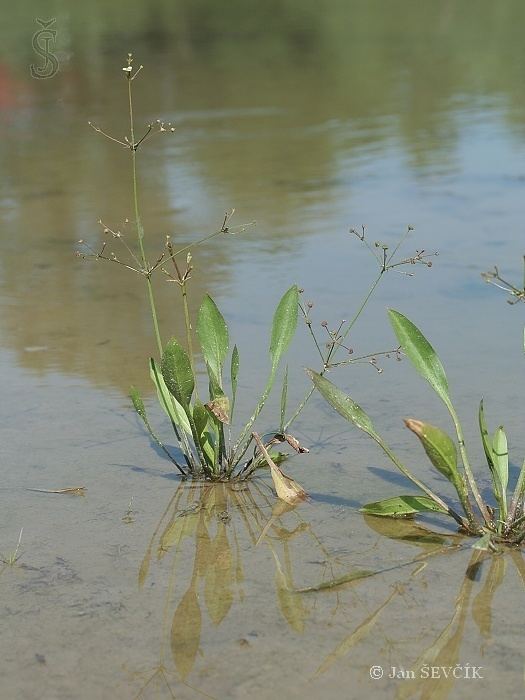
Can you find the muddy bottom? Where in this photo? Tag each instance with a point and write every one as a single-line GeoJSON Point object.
{"type": "Point", "coordinates": [146, 587]}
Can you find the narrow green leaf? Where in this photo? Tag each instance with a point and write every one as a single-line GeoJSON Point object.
{"type": "Point", "coordinates": [498, 464]}
{"type": "Point", "coordinates": [138, 404]}
{"type": "Point", "coordinates": [284, 395]}
{"type": "Point", "coordinates": [284, 325]}
{"type": "Point", "coordinates": [402, 507]}
{"type": "Point", "coordinates": [343, 404]}
{"type": "Point", "coordinates": [201, 419]}
{"type": "Point", "coordinates": [439, 447]}
{"type": "Point", "coordinates": [177, 372]}
{"type": "Point", "coordinates": [213, 336]}
{"type": "Point", "coordinates": [215, 388]}
{"type": "Point", "coordinates": [169, 403]}
{"type": "Point", "coordinates": [283, 329]}
{"type": "Point", "coordinates": [500, 452]}
{"type": "Point", "coordinates": [420, 353]}
{"type": "Point", "coordinates": [519, 490]}
{"type": "Point", "coordinates": [485, 439]}
{"type": "Point", "coordinates": [347, 408]}
{"type": "Point", "coordinates": [234, 373]}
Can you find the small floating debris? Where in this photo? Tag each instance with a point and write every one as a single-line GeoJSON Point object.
{"type": "Point", "coordinates": [73, 491]}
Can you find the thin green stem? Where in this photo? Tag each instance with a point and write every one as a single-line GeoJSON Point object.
{"type": "Point", "coordinates": [466, 465]}
{"type": "Point", "coordinates": [187, 323]}
{"type": "Point", "coordinates": [518, 493]}
{"type": "Point", "coordinates": [310, 330]}
{"type": "Point", "coordinates": [154, 316]}
{"type": "Point", "coordinates": [239, 449]}
{"type": "Point", "coordinates": [300, 407]}
{"type": "Point", "coordinates": [163, 447]}
{"type": "Point", "coordinates": [398, 246]}
{"type": "Point", "coordinates": [333, 349]}
{"type": "Point", "coordinates": [138, 222]}
{"type": "Point", "coordinates": [361, 308]}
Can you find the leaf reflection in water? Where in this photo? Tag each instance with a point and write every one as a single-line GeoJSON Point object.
{"type": "Point", "coordinates": [215, 525]}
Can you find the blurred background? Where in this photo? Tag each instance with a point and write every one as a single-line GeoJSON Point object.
{"type": "Point", "coordinates": [308, 117]}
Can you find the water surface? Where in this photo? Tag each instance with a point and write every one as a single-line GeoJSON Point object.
{"type": "Point", "coordinates": [309, 119]}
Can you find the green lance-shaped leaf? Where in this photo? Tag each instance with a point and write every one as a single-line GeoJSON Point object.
{"type": "Point", "coordinates": [284, 325]}
{"type": "Point", "coordinates": [201, 418]}
{"type": "Point", "coordinates": [215, 388]}
{"type": "Point", "coordinates": [350, 410]}
{"type": "Point", "coordinates": [234, 373]}
{"type": "Point", "coordinates": [343, 404]}
{"type": "Point", "coordinates": [169, 403]}
{"type": "Point", "coordinates": [428, 365]}
{"type": "Point", "coordinates": [485, 439]}
{"type": "Point", "coordinates": [177, 372]}
{"type": "Point", "coordinates": [219, 407]}
{"type": "Point", "coordinates": [213, 335]}
{"type": "Point", "coordinates": [439, 447]}
{"type": "Point", "coordinates": [402, 507]}
{"type": "Point", "coordinates": [441, 450]}
{"type": "Point", "coordinates": [138, 403]}
{"type": "Point", "coordinates": [420, 353]}
{"type": "Point", "coordinates": [178, 375]}
{"type": "Point", "coordinates": [139, 407]}
{"type": "Point", "coordinates": [496, 453]}
{"type": "Point", "coordinates": [283, 328]}
{"type": "Point", "coordinates": [500, 452]}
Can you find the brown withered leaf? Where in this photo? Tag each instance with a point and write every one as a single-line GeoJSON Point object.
{"type": "Point", "coordinates": [220, 408]}
{"type": "Point", "coordinates": [294, 444]}
{"type": "Point", "coordinates": [287, 489]}
{"type": "Point", "coordinates": [290, 439]}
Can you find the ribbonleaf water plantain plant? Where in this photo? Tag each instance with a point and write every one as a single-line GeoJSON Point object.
{"type": "Point", "coordinates": [202, 429]}
{"type": "Point", "coordinates": [504, 521]}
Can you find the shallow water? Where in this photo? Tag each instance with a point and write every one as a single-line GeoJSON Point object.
{"type": "Point", "coordinates": [308, 122]}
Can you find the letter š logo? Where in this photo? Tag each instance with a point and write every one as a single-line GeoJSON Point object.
{"type": "Point", "coordinates": [43, 45]}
